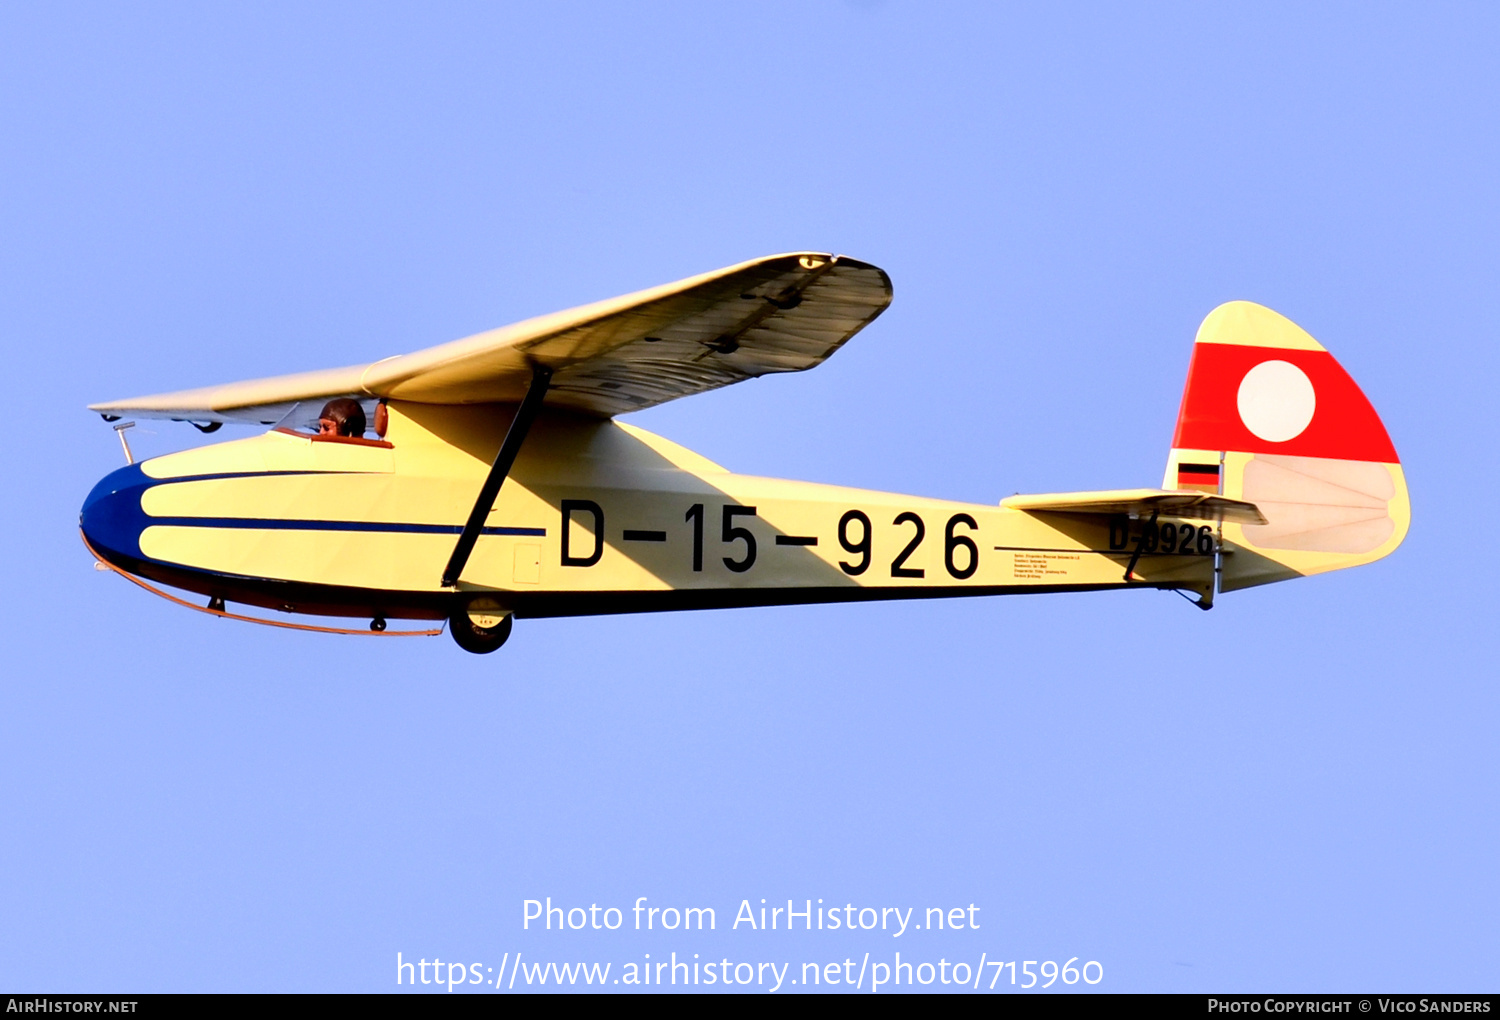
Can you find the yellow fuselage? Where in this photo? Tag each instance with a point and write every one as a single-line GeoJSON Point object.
{"type": "Point", "coordinates": [595, 517]}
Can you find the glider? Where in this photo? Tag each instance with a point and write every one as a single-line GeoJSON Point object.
{"type": "Point", "coordinates": [497, 483]}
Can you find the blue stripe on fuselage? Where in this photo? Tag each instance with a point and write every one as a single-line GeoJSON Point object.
{"type": "Point", "coordinates": [112, 517]}
{"type": "Point", "coordinates": [282, 524]}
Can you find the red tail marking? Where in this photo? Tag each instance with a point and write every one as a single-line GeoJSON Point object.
{"type": "Point", "coordinates": [1344, 426]}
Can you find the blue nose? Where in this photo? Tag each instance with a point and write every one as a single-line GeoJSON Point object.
{"type": "Point", "coordinates": [112, 519]}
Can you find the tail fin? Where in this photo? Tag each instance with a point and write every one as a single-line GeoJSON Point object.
{"type": "Point", "coordinates": [1268, 416]}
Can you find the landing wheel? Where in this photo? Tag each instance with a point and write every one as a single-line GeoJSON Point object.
{"type": "Point", "coordinates": [480, 625]}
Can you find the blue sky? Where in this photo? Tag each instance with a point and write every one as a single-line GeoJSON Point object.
{"type": "Point", "coordinates": [1296, 791]}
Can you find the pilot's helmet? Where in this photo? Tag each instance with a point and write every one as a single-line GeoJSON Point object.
{"type": "Point", "coordinates": [347, 416]}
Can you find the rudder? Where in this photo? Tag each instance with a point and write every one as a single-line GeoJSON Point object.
{"type": "Point", "coordinates": [1270, 417]}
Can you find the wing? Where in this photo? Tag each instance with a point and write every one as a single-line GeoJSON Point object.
{"type": "Point", "coordinates": [1197, 506]}
{"type": "Point", "coordinates": [784, 313]}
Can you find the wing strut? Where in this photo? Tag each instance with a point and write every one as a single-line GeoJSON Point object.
{"type": "Point", "coordinates": [541, 377]}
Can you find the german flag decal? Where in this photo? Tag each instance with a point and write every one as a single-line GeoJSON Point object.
{"type": "Point", "coordinates": [1204, 477]}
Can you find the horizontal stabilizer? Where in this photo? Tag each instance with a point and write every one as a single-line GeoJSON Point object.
{"type": "Point", "coordinates": [1195, 506]}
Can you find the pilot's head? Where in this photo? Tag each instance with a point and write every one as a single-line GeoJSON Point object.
{"type": "Point", "coordinates": [342, 417]}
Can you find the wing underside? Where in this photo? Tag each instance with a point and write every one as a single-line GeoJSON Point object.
{"type": "Point", "coordinates": [784, 313]}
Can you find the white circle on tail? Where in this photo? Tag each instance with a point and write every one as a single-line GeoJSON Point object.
{"type": "Point", "coordinates": [1276, 401]}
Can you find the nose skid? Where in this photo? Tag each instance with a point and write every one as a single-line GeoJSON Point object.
{"type": "Point", "coordinates": [112, 519]}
